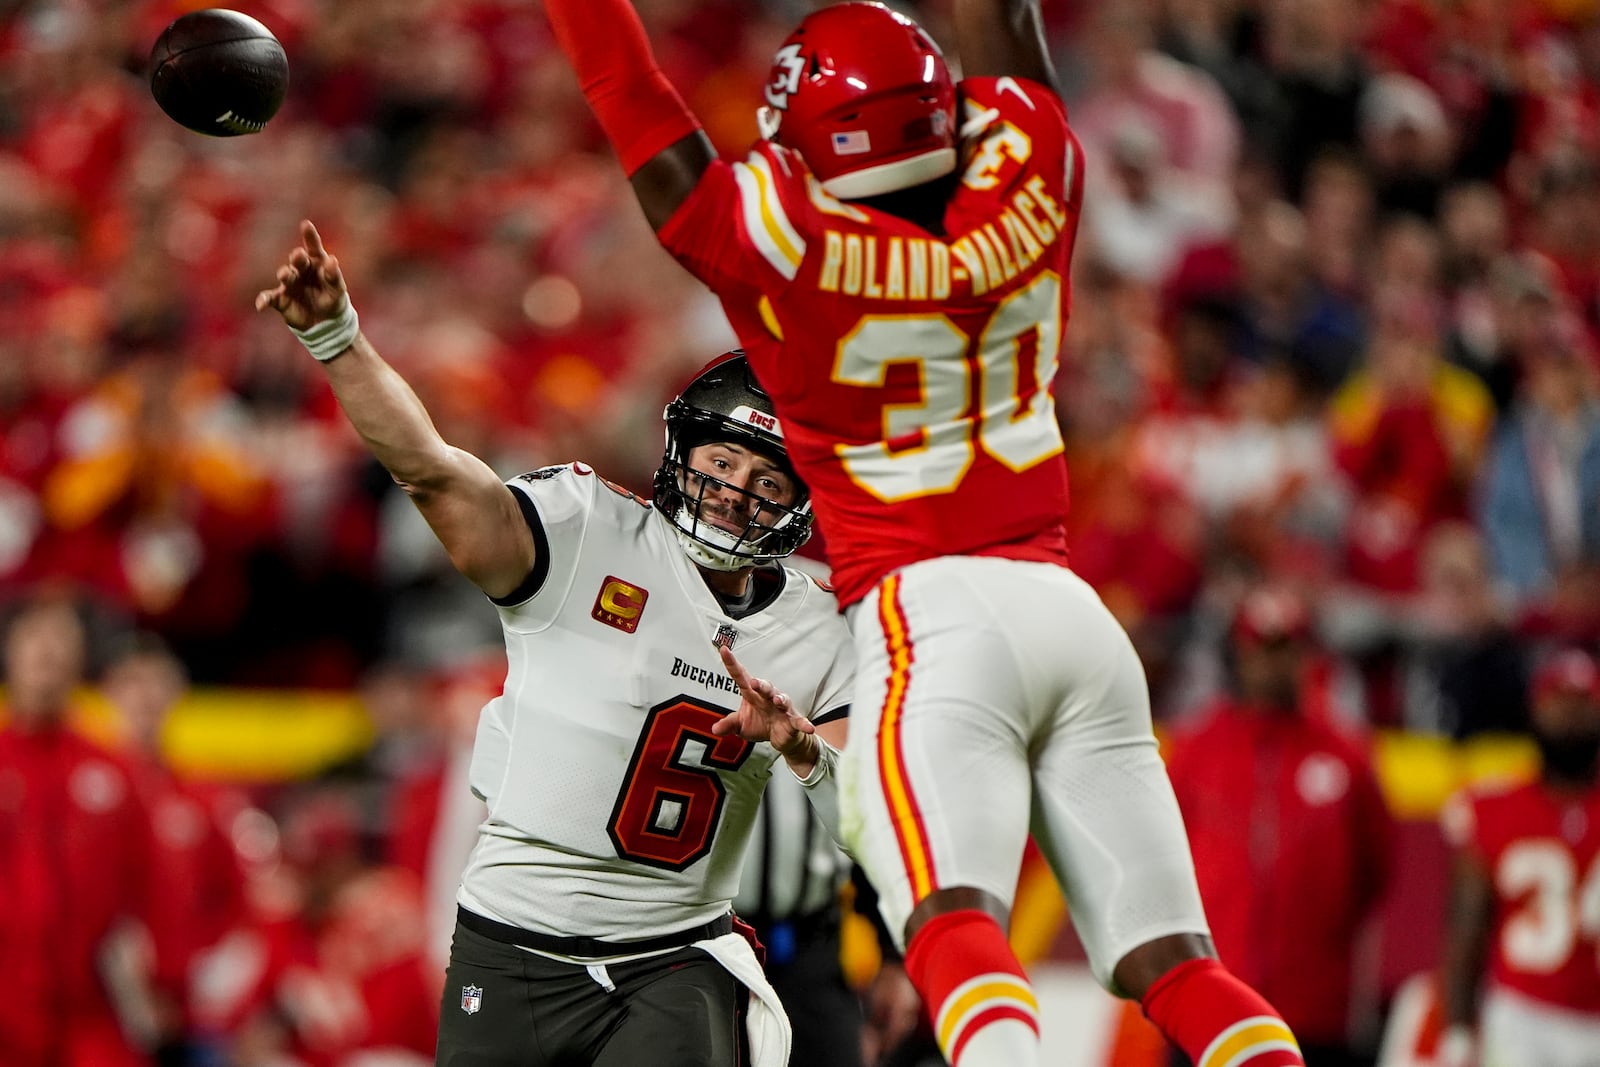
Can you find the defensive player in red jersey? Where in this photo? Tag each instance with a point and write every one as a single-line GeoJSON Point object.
{"type": "Point", "coordinates": [1525, 906]}
{"type": "Point", "coordinates": [894, 257]}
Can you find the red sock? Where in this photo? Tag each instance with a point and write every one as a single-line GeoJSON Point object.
{"type": "Point", "coordinates": [1217, 1019]}
{"type": "Point", "coordinates": [973, 985]}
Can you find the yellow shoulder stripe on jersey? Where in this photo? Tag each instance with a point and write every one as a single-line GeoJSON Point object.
{"type": "Point", "coordinates": [1244, 1040]}
{"type": "Point", "coordinates": [769, 318]}
{"type": "Point", "coordinates": [770, 229]}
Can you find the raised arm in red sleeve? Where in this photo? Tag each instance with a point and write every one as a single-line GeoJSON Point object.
{"type": "Point", "coordinates": [655, 135]}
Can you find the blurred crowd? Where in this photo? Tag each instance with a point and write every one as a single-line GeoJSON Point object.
{"type": "Point", "coordinates": [1334, 323]}
{"type": "Point", "coordinates": [152, 919]}
{"type": "Point", "coordinates": [1335, 331]}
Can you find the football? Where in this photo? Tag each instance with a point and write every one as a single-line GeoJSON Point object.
{"type": "Point", "coordinates": [219, 72]}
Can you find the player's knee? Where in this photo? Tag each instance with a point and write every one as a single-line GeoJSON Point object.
{"type": "Point", "coordinates": [956, 898]}
{"type": "Point", "coordinates": [1145, 965]}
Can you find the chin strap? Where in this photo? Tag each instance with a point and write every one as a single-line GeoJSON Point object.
{"type": "Point", "coordinates": [705, 555]}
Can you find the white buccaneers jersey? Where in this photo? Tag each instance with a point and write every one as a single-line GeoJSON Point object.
{"type": "Point", "coordinates": [614, 812]}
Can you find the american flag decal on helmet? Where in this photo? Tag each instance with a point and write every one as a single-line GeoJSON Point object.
{"type": "Point", "coordinates": [851, 143]}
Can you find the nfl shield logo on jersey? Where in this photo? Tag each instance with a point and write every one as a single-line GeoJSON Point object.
{"type": "Point", "coordinates": [726, 636]}
{"type": "Point", "coordinates": [471, 999]}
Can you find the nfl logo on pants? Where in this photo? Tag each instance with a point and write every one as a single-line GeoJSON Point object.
{"type": "Point", "coordinates": [471, 999]}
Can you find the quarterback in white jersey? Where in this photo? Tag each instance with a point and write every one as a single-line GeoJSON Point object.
{"type": "Point", "coordinates": [624, 763]}
{"type": "Point", "coordinates": [613, 810]}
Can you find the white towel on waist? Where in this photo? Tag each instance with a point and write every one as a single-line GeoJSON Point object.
{"type": "Point", "coordinates": [765, 1022]}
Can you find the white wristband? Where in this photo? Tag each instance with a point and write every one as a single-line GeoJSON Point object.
{"type": "Point", "coordinates": [327, 339]}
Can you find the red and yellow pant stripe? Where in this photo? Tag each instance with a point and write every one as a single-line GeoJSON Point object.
{"type": "Point", "coordinates": [910, 831]}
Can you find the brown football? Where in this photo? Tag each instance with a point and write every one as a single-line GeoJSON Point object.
{"type": "Point", "coordinates": [219, 72]}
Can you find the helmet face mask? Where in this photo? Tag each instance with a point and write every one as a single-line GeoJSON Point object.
{"type": "Point", "coordinates": [863, 94]}
{"type": "Point", "coordinates": [725, 405]}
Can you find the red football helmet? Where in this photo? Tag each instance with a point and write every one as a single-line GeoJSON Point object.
{"type": "Point", "coordinates": [864, 95]}
{"type": "Point", "coordinates": [1571, 670]}
{"type": "Point", "coordinates": [1269, 615]}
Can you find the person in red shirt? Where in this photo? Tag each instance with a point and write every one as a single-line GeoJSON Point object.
{"type": "Point", "coordinates": [894, 256]}
{"type": "Point", "coordinates": [74, 858]}
{"type": "Point", "coordinates": [1521, 979]}
{"type": "Point", "coordinates": [196, 876]}
{"type": "Point", "coordinates": [1292, 841]}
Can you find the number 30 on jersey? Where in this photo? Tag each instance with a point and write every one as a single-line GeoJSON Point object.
{"type": "Point", "coordinates": [927, 447]}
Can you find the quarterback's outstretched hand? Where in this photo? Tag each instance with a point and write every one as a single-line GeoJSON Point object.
{"type": "Point", "coordinates": [766, 714]}
{"type": "Point", "coordinates": [310, 287]}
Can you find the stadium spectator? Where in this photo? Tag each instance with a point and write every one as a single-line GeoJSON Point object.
{"type": "Point", "coordinates": [1464, 669]}
{"type": "Point", "coordinates": [1138, 87]}
{"type": "Point", "coordinates": [1540, 502]}
{"type": "Point", "coordinates": [1408, 432]}
{"type": "Point", "coordinates": [1475, 236]}
{"type": "Point", "coordinates": [1312, 53]}
{"type": "Point", "coordinates": [1290, 834]}
{"type": "Point", "coordinates": [157, 495]}
{"type": "Point", "coordinates": [197, 884]}
{"type": "Point", "coordinates": [1145, 215]}
{"type": "Point", "coordinates": [1407, 142]}
{"type": "Point", "coordinates": [1289, 312]}
{"type": "Point", "coordinates": [1339, 214]}
{"type": "Point", "coordinates": [75, 859]}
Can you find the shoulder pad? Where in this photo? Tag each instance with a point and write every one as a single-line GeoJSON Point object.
{"type": "Point", "coordinates": [544, 474]}
{"type": "Point", "coordinates": [627, 494]}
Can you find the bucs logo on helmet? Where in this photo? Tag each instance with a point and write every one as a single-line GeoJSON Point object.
{"type": "Point", "coordinates": [725, 404]}
{"type": "Point", "coordinates": [863, 94]}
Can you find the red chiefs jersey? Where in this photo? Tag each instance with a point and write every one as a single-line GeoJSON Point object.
{"type": "Point", "coordinates": [1292, 849]}
{"type": "Point", "coordinates": [1542, 852]}
{"type": "Point", "coordinates": [197, 883]}
{"type": "Point", "coordinates": [75, 858]}
{"type": "Point", "coordinates": [911, 370]}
